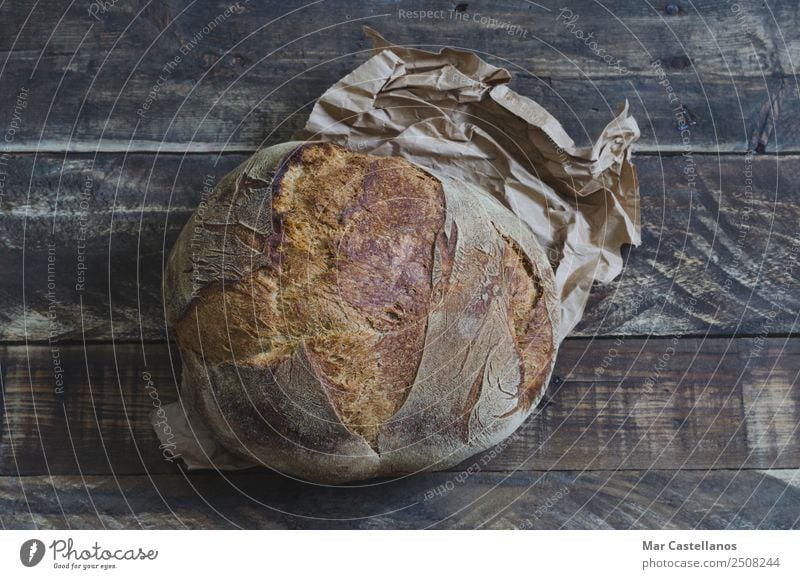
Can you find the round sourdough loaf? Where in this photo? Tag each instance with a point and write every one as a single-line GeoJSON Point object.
{"type": "Point", "coordinates": [342, 316]}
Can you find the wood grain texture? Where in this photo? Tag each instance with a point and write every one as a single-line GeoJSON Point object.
{"type": "Point", "coordinates": [694, 429]}
{"type": "Point", "coordinates": [252, 76]}
{"type": "Point", "coordinates": [719, 254]}
{"type": "Point", "coordinates": [655, 499]}
{"type": "Point", "coordinates": [614, 404]}
{"type": "Point", "coordinates": [121, 215]}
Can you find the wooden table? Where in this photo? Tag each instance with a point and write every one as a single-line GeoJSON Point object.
{"type": "Point", "coordinates": [675, 403]}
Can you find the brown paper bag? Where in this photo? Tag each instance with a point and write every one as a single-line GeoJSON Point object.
{"type": "Point", "coordinates": [454, 113]}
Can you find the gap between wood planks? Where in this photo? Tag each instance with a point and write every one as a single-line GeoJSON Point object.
{"type": "Point", "coordinates": [599, 338]}
{"type": "Point", "coordinates": [792, 474]}
{"type": "Point", "coordinates": [155, 147]}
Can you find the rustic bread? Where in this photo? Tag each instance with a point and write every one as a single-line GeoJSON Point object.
{"type": "Point", "coordinates": [342, 316]}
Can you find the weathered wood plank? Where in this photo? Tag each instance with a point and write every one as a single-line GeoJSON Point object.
{"type": "Point", "coordinates": [116, 213]}
{"type": "Point", "coordinates": [635, 33]}
{"type": "Point", "coordinates": [614, 404]}
{"type": "Point", "coordinates": [653, 499]}
{"type": "Point", "coordinates": [253, 75]}
{"type": "Point", "coordinates": [718, 256]}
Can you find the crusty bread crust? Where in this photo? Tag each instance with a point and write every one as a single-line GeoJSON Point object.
{"type": "Point", "coordinates": [348, 275]}
{"type": "Point", "coordinates": [343, 316]}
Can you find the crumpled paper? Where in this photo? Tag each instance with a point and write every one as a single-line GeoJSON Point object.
{"type": "Point", "coordinates": [452, 112]}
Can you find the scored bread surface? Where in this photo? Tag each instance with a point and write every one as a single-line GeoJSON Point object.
{"type": "Point", "coordinates": [342, 315]}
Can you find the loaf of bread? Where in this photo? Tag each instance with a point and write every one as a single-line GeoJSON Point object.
{"type": "Point", "coordinates": [342, 316]}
